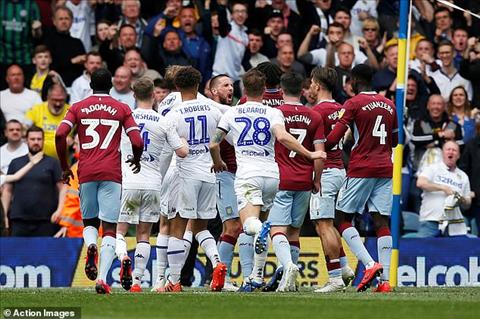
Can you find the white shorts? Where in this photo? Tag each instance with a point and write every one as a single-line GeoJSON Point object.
{"type": "Point", "coordinates": [226, 199]}
{"type": "Point", "coordinates": [258, 191]}
{"type": "Point", "coordinates": [169, 193]}
{"type": "Point", "coordinates": [140, 205]}
{"type": "Point", "coordinates": [196, 199]}
{"type": "Point", "coordinates": [322, 205]}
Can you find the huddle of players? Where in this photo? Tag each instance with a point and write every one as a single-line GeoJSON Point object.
{"type": "Point", "coordinates": [258, 176]}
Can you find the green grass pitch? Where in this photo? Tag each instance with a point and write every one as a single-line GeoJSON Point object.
{"type": "Point", "coordinates": [404, 303]}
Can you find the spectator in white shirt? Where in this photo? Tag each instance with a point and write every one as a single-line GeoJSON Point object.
{"type": "Point", "coordinates": [122, 86]}
{"type": "Point", "coordinates": [16, 100]}
{"type": "Point", "coordinates": [447, 77]}
{"type": "Point", "coordinates": [83, 26]}
{"type": "Point", "coordinates": [81, 86]}
{"type": "Point", "coordinates": [15, 146]}
{"type": "Point", "coordinates": [446, 188]}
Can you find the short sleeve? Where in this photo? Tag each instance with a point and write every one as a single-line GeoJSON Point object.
{"type": "Point", "coordinates": [428, 172]}
{"type": "Point", "coordinates": [347, 113]}
{"type": "Point", "coordinates": [172, 136]}
{"type": "Point", "coordinates": [319, 136]}
{"type": "Point", "coordinates": [71, 117]}
{"type": "Point", "coordinates": [277, 117]}
{"type": "Point", "coordinates": [224, 123]}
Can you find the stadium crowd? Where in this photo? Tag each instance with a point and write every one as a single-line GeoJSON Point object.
{"type": "Point", "coordinates": [49, 50]}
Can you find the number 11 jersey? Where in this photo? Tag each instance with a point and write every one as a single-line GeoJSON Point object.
{"type": "Point", "coordinates": [251, 125]}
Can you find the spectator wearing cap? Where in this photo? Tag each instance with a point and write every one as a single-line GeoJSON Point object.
{"type": "Point", "coordinates": [286, 61]}
{"type": "Point", "coordinates": [81, 86]}
{"type": "Point", "coordinates": [275, 25]}
{"type": "Point", "coordinates": [131, 16]}
{"type": "Point", "coordinates": [83, 22]}
{"type": "Point", "coordinates": [16, 99]}
{"type": "Point", "coordinates": [68, 53]}
{"type": "Point", "coordinates": [231, 44]}
{"type": "Point", "coordinates": [253, 57]}
{"type": "Point", "coordinates": [447, 77]}
{"type": "Point", "coordinates": [122, 87]}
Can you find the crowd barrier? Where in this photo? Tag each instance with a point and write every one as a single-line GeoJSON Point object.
{"type": "Point", "coordinates": [49, 262]}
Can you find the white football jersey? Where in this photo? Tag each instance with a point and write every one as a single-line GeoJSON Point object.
{"type": "Point", "coordinates": [251, 125]}
{"type": "Point", "coordinates": [156, 133]}
{"type": "Point", "coordinates": [196, 121]}
{"type": "Point", "coordinates": [174, 99]}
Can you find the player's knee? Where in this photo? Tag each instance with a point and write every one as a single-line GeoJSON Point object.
{"type": "Point", "coordinates": [94, 222]}
{"type": "Point", "coordinates": [323, 225]}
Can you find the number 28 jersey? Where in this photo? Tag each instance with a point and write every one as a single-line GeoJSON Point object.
{"type": "Point", "coordinates": [251, 125]}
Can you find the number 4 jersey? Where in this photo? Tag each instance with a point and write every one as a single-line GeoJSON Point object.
{"type": "Point", "coordinates": [251, 127]}
{"type": "Point", "coordinates": [100, 119]}
{"type": "Point", "coordinates": [296, 172]}
{"type": "Point", "coordinates": [373, 119]}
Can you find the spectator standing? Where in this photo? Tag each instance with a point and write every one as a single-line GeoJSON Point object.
{"type": "Point", "coordinates": [253, 57]}
{"type": "Point", "coordinates": [232, 43]}
{"type": "Point", "coordinates": [81, 86]}
{"type": "Point", "coordinates": [37, 199]}
{"type": "Point", "coordinates": [21, 24]}
{"type": "Point", "coordinates": [446, 188]}
{"type": "Point", "coordinates": [134, 61]}
{"type": "Point", "coordinates": [160, 90]}
{"type": "Point", "coordinates": [320, 14]}
{"type": "Point", "coordinates": [360, 13]}
{"type": "Point", "coordinates": [48, 116]}
{"type": "Point", "coordinates": [275, 26]}
{"type": "Point", "coordinates": [104, 31]}
{"type": "Point", "coordinates": [83, 26]}
{"type": "Point", "coordinates": [16, 99]}
{"type": "Point", "coordinates": [42, 58]}
{"type": "Point", "coordinates": [131, 16]}
{"type": "Point", "coordinates": [15, 146]}
{"type": "Point", "coordinates": [470, 66]}
{"type": "Point", "coordinates": [447, 77]}
{"type": "Point", "coordinates": [122, 87]}
{"type": "Point", "coordinates": [68, 53]}
{"type": "Point", "coordinates": [460, 111]}
{"type": "Point", "coordinates": [383, 79]}
{"type": "Point", "coordinates": [286, 61]}
{"type": "Point", "coordinates": [470, 164]}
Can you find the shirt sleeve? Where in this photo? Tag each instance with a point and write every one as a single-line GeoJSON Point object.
{"type": "Point", "coordinates": [466, 186]}
{"type": "Point", "coordinates": [224, 123]}
{"type": "Point", "coordinates": [71, 117]}
{"type": "Point", "coordinates": [428, 172]}
{"type": "Point", "coordinates": [277, 118]}
{"type": "Point", "coordinates": [30, 116]}
{"type": "Point", "coordinates": [173, 139]}
{"type": "Point", "coordinates": [346, 116]}
{"type": "Point", "coordinates": [319, 136]}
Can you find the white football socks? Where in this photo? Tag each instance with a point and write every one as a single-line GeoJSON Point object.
{"type": "Point", "coordinates": [90, 235]}
{"type": "Point", "coordinates": [107, 254]}
{"type": "Point", "coordinates": [208, 244]}
{"type": "Point", "coordinates": [120, 247]}
{"type": "Point", "coordinates": [142, 255]}
{"type": "Point", "coordinates": [352, 237]}
{"type": "Point", "coordinates": [187, 242]}
{"type": "Point", "coordinates": [245, 252]}
{"type": "Point", "coordinates": [162, 261]}
{"type": "Point", "coordinates": [281, 246]}
{"type": "Point", "coordinates": [384, 248]}
{"type": "Point", "coordinates": [176, 258]}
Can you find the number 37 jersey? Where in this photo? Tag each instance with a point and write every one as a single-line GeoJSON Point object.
{"type": "Point", "coordinates": [251, 125]}
{"type": "Point", "coordinates": [100, 119]}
